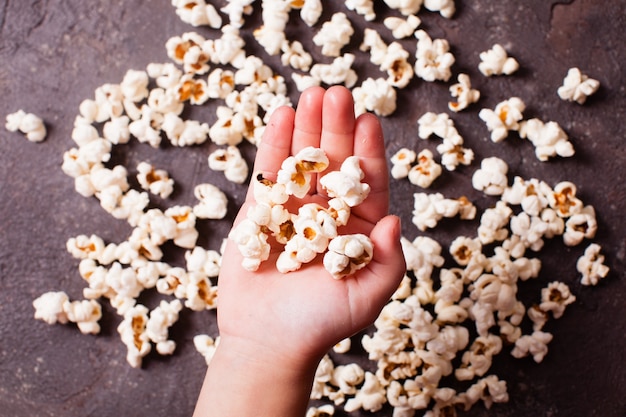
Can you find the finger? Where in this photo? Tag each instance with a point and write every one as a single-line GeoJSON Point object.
{"type": "Point", "coordinates": [308, 119]}
{"type": "Point", "coordinates": [275, 146]}
{"type": "Point", "coordinates": [380, 279]}
{"type": "Point", "coordinates": [338, 123]}
{"type": "Point", "coordinates": [369, 146]}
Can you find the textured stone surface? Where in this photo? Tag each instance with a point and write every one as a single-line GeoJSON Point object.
{"type": "Point", "coordinates": [54, 53]}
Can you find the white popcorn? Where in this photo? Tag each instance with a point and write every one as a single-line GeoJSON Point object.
{"type": "Point", "coordinates": [294, 55]}
{"type": "Point", "coordinates": [133, 333]}
{"type": "Point", "coordinates": [337, 72]}
{"type": "Point", "coordinates": [401, 162]}
{"type": "Point", "coordinates": [147, 129]}
{"type": "Point", "coordinates": [563, 199]}
{"type": "Point", "coordinates": [406, 7]}
{"type": "Point", "coordinates": [549, 139]}
{"type": "Point", "coordinates": [591, 265]}
{"type": "Point", "coordinates": [396, 64]}
{"type": "Point", "coordinates": [204, 261]}
{"type": "Point", "coordinates": [334, 35]}
{"type": "Point", "coordinates": [109, 101]}
{"type": "Point", "coordinates": [165, 75]}
{"type": "Point", "coordinates": [252, 243]}
{"type": "Point", "coordinates": [235, 9]}
{"type": "Point", "coordinates": [197, 13]}
{"type": "Point", "coordinates": [580, 226]}
{"type": "Point", "coordinates": [343, 346]}
{"type": "Point", "coordinates": [464, 94]}
{"type": "Point", "coordinates": [491, 177]}
{"type": "Point", "coordinates": [426, 171]}
{"type": "Point", "coordinates": [157, 327]}
{"type": "Point", "coordinates": [449, 340]}
{"type": "Point", "coordinates": [433, 58]}
{"type": "Point", "coordinates": [231, 162]}
{"type": "Point", "coordinates": [213, 203]}
{"type": "Point", "coordinates": [347, 378]}
{"type": "Point", "coordinates": [220, 83]}
{"type": "Point", "coordinates": [85, 247]}
{"type": "Point", "coordinates": [200, 293]}
{"type": "Point", "coordinates": [29, 124]}
{"type": "Point", "coordinates": [295, 171]}
{"type": "Point", "coordinates": [478, 359]}
{"type": "Point", "coordinates": [530, 230]}
{"type": "Point", "coordinates": [370, 397]}
{"type": "Point", "coordinates": [375, 95]}
{"type": "Point", "coordinates": [535, 344]}
{"type": "Point", "coordinates": [401, 28]}
{"type": "Point", "coordinates": [186, 233]}
{"type": "Point", "coordinates": [348, 254]}
{"type": "Point", "coordinates": [362, 7]}
{"type": "Point", "coordinates": [531, 195]}
{"type": "Point", "coordinates": [206, 346]}
{"type": "Point", "coordinates": [454, 154]}
{"type": "Point", "coordinates": [555, 297]}
{"type": "Point", "coordinates": [493, 223]}
{"type": "Point", "coordinates": [325, 410]}
{"type": "Point", "coordinates": [156, 181]}
{"type": "Point", "coordinates": [131, 206]}
{"type": "Point", "coordinates": [496, 61]}
{"type": "Point", "coordinates": [428, 209]}
{"type": "Point", "coordinates": [439, 124]}
{"type": "Point", "coordinates": [505, 117]}
{"type": "Point", "coordinates": [346, 183]}
{"type": "Point", "coordinates": [134, 86]}
{"type": "Point", "coordinates": [463, 249]}
{"type": "Point", "coordinates": [116, 130]}
{"type": "Point", "coordinates": [85, 314]}
{"type": "Point", "coordinates": [310, 11]}
{"type": "Point", "coordinates": [49, 307]}
{"type": "Point", "coordinates": [445, 7]}
{"type": "Point", "coordinates": [577, 86]}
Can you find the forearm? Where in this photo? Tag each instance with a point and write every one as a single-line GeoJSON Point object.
{"type": "Point", "coordinates": [240, 382]}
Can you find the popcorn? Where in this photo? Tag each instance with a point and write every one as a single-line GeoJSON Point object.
{"type": "Point", "coordinates": [464, 249]}
{"type": "Point", "coordinates": [295, 171]}
{"type": "Point", "coordinates": [464, 93]}
{"type": "Point", "coordinates": [252, 244]}
{"type": "Point", "coordinates": [116, 130]}
{"type": "Point", "coordinates": [334, 35]}
{"type": "Point", "coordinates": [27, 123]}
{"type": "Point", "coordinates": [186, 234]}
{"type": "Point", "coordinates": [370, 397]}
{"type": "Point", "coordinates": [529, 229]}
{"type": "Point", "coordinates": [580, 226]}
{"type": "Point", "coordinates": [206, 346]}
{"type": "Point", "coordinates": [192, 89]}
{"type": "Point", "coordinates": [453, 154]}
{"type": "Point", "coordinates": [445, 7]}
{"type": "Point", "coordinates": [549, 139]}
{"type": "Point", "coordinates": [555, 297]}
{"type": "Point", "coordinates": [160, 320]}
{"type": "Point", "coordinates": [491, 177]}
{"type": "Point", "coordinates": [134, 86]}
{"type": "Point", "coordinates": [197, 13]}
{"type": "Point", "coordinates": [563, 199]}
{"type": "Point", "coordinates": [184, 132]}
{"type": "Point", "coordinates": [294, 55]}
{"type": "Point", "coordinates": [428, 209]}
{"type": "Point", "coordinates": [49, 307]}
{"type": "Point", "coordinates": [343, 346]}
{"type": "Point", "coordinates": [348, 254]}
{"type": "Point", "coordinates": [85, 247]}
{"type": "Point", "coordinates": [496, 61]}
{"type": "Point", "coordinates": [426, 171]}
{"type": "Point", "coordinates": [235, 9]}
{"type": "Point", "coordinates": [85, 314]}
{"type": "Point", "coordinates": [346, 183]}
{"type": "Point", "coordinates": [535, 344]}
{"type": "Point", "coordinates": [338, 72]}
{"type": "Point", "coordinates": [478, 359]}
{"type": "Point", "coordinates": [362, 7]}
{"type": "Point", "coordinates": [433, 59]}
{"type": "Point", "coordinates": [147, 129]}
{"type": "Point", "coordinates": [375, 95]}
{"type": "Point", "coordinates": [401, 163]}
{"type": "Point", "coordinates": [438, 124]}
{"type": "Point", "coordinates": [231, 162]}
{"type": "Point", "coordinates": [506, 116]}
{"type": "Point", "coordinates": [577, 86]}
{"type": "Point", "coordinates": [213, 203]}
{"type": "Point", "coordinates": [157, 181]}
{"type": "Point", "coordinates": [133, 333]}
{"type": "Point", "coordinates": [321, 411]}
{"type": "Point", "coordinates": [591, 265]}
{"type": "Point", "coordinates": [220, 83]}
{"type": "Point", "coordinates": [406, 7]}
{"type": "Point", "coordinates": [401, 28]}
{"type": "Point", "coordinates": [493, 222]}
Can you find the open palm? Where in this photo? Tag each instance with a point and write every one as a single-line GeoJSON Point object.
{"type": "Point", "coordinates": [303, 313]}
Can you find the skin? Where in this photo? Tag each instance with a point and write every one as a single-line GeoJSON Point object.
{"type": "Point", "coordinates": [275, 328]}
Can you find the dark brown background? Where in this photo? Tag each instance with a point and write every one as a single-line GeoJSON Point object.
{"type": "Point", "coordinates": [54, 53]}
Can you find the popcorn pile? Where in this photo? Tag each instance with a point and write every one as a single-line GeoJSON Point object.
{"type": "Point", "coordinates": [313, 230]}
{"type": "Point", "coordinates": [444, 321]}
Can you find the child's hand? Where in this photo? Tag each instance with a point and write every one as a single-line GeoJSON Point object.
{"type": "Point", "coordinates": [290, 320]}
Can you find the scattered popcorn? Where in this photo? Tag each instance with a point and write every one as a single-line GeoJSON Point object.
{"type": "Point", "coordinates": [401, 163]}
{"type": "Point", "coordinates": [555, 297]}
{"type": "Point", "coordinates": [338, 72]}
{"type": "Point", "coordinates": [535, 344]}
{"type": "Point", "coordinates": [577, 86]}
{"type": "Point", "coordinates": [506, 116]}
{"type": "Point", "coordinates": [343, 346]}
{"type": "Point", "coordinates": [580, 225]}
{"type": "Point", "coordinates": [231, 162]}
{"type": "Point", "coordinates": [491, 177]}
{"type": "Point", "coordinates": [375, 95]}
{"type": "Point", "coordinates": [157, 181]}
{"type": "Point", "coordinates": [362, 7]}
{"type": "Point", "coordinates": [445, 7]}
{"type": "Point", "coordinates": [549, 139]}
{"type": "Point", "coordinates": [428, 209]}
{"type": "Point", "coordinates": [212, 202]}
{"type": "Point", "coordinates": [370, 397]}
{"type": "Point", "coordinates": [133, 333]}
{"type": "Point", "coordinates": [334, 35]}
{"type": "Point", "coordinates": [294, 55]}
{"type": "Point", "coordinates": [85, 314]}
{"type": "Point", "coordinates": [197, 13]}
{"type": "Point", "coordinates": [325, 410]}
{"type": "Point", "coordinates": [591, 265]}
{"type": "Point", "coordinates": [347, 254]}
{"type": "Point", "coordinates": [496, 61]}
{"type": "Point", "coordinates": [295, 171]}
{"type": "Point", "coordinates": [206, 346]}
{"type": "Point", "coordinates": [27, 123]}
{"type": "Point", "coordinates": [49, 307]}
{"type": "Point", "coordinates": [433, 59]}
{"type": "Point", "coordinates": [426, 171]}
{"type": "Point", "coordinates": [160, 320]}
{"type": "Point", "coordinates": [464, 93]}
{"type": "Point", "coordinates": [401, 28]}
{"type": "Point", "coordinates": [406, 7]}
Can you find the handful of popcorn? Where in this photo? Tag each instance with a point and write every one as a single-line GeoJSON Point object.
{"type": "Point", "coordinates": [313, 230]}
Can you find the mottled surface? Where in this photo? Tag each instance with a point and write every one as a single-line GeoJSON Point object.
{"type": "Point", "coordinates": [54, 53]}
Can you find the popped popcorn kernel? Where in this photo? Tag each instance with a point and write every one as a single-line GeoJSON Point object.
{"type": "Point", "coordinates": [402, 28]}
{"type": "Point", "coordinates": [433, 58]}
{"type": "Point", "coordinates": [334, 35]}
{"type": "Point", "coordinates": [346, 183]}
{"type": "Point", "coordinates": [464, 94]}
{"type": "Point", "coordinates": [49, 307]}
{"type": "Point", "coordinates": [505, 117]}
{"type": "Point", "coordinates": [549, 139]}
{"type": "Point", "coordinates": [445, 7]}
{"type": "Point", "coordinates": [347, 254]}
{"type": "Point", "coordinates": [591, 265]}
{"type": "Point", "coordinates": [491, 177]}
{"type": "Point", "coordinates": [581, 225]}
{"type": "Point", "coordinates": [27, 123]}
{"type": "Point", "coordinates": [295, 171]}
{"type": "Point", "coordinates": [156, 181]}
{"type": "Point", "coordinates": [231, 162]}
{"type": "Point", "coordinates": [535, 344]}
{"type": "Point", "coordinates": [206, 346]}
{"type": "Point", "coordinates": [375, 95]}
{"type": "Point", "coordinates": [426, 171]}
{"type": "Point", "coordinates": [577, 86]}
{"type": "Point", "coordinates": [496, 61]}
{"type": "Point", "coordinates": [401, 162]}
{"type": "Point", "coordinates": [133, 333]}
{"type": "Point", "coordinates": [212, 202]}
{"type": "Point", "coordinates": [555, 297]}
{"type": "Point", "coordinates": [85, 313]}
